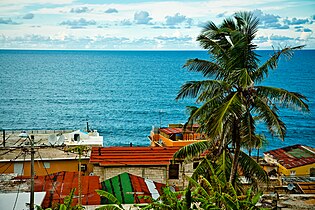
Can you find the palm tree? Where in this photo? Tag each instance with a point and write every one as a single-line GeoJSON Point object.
{"type": "Point", "coordinates": [230, 95]}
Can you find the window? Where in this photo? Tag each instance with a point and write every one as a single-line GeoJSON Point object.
{"type": "Point", "coordinates": [312, 172]}
{"type": "Point", "coordinates": [83, 167]}
{"type": "Point", "coordinates": [195, 165]}
{"type": "Point", "coordinates": [18, 168]}
{"type": "Point", "coordinates": [46, 164]}
{"type": "Point", "coordinates": [173, 171]}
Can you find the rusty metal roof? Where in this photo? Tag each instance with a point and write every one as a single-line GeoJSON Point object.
{"type": "Point", "coordinates": [59, 185]}
{"type": "Point", "coordinates": [125, 156]}
{"type": "Point", "coordinates": [170, 131]}
{"type": "Point", "coordinates": [293, 156]}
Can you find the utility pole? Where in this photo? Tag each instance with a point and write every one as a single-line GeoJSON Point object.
{"type": "Point", "coordinates": [32, 173]}
{"type": "Point", "coordinates": [79, 178]}
{"type": "Point", "coordinates": [80, 149]}
{"type": "Point", "coordinates": [3, 136]}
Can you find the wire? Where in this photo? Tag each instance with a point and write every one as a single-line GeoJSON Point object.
{"type": "Point", "coordinates": [17, 195]}
{"type": "Point", "coordinates": [11, 162]}
{"type": "Point", "coordinates": [54, 188]}
{"type": "Point", "coordinates": [9, 150]}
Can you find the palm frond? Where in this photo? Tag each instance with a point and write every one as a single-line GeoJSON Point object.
{"type": "Point", "coordinates": [209, 27]}
{"type": "Point", "coordinates": [283, 97]}
{"type": "Point", "coordinates": [251, 169]}
{"type": "Point", "coordinates": [223, 114]}
{"type": "Point", "coordinates": [207, 68]}
{"type": "Point", "coordinates": [199, 188]}
{"type": "Point", "coordinates": [193, 89]}
{"type": "Point", "coordinates": [193, 150]}
{"type": "Point", "coordinates": [270, 117]}
{"type": "Point", "coordinates": [110, 197]}
{"type": "Point", "coordinates": [217, 49]}
{"type": "Point", "coordinates": [229, 23]}
{"type": "Point", "coordinates": [224, 164]}
{"type": "Point", "coordinates": [241, 78]}
{"type": "Point", "coordinates": [272, 63]}
{"type": "Point", "coordinates": [248, 129]}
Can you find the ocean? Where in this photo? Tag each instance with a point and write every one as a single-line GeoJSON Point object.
{"type": "Point", "coordinates": [122, 94]}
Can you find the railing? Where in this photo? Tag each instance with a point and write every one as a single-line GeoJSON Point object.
{"type": "Point", "coordinates": [36, 131]}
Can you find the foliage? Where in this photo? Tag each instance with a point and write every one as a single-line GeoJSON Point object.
{"type": "Point", "coordinates": [116, 203]}
{"type": "Point", "coordinates": [67, 203]}
{"type": "Point", "coordinates": [169, 200]}
{"type": "Point", "coordinates": [203, 193]}
{"type": "Point", "coordinates": [217, 193]}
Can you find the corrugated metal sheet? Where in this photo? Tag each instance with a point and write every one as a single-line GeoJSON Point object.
{"type": "Point", "coordinates": [129, 189]}
{"type": "Point", "coordinates": [293, 156]}
{"type": "Point", "coordinates": [169, 131]}
{"type": "Point", "coordinates": [120, 156]}
{"type": "Point", "coordinates": [59, 185]}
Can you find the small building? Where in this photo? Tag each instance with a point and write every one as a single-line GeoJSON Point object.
{"type": "Point", "coordinates": [296, 160]}
{"type": "Point", "coordinates": [47, 160]}
{"type": "Point", "coordinates": [154, 163]}
{"type": "Point", "coordinates": [80, 137]}
{"type": "Point", "coordinates": [15, 138]}
{"type": "Point", "coordinates": [131, 189]}
{"type": "Point", "coordinates": [175, 135]}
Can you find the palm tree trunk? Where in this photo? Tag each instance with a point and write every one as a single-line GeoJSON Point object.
{"type": "Point", "coordinates": [236, 139]}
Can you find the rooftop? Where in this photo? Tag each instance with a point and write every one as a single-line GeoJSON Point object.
{"type": "Point", "coordinates": [128, 187]}
{"type": "Point", "coordinates": [124, 156]}
{"type": "Point", "coordinates": [293, 156]}
{"type": "Point", "coordinates": [17, 138]}
{"type": "Point", "coordinates": [169, 131]}
{"type": "Point", "coordinates": [59, 185]}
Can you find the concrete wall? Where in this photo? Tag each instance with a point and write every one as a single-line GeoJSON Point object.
{"type": "Point", "coordinates": [156, 173]}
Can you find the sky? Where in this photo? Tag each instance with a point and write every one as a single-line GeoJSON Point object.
{"type": "Point", "coordinates": [145, 24]}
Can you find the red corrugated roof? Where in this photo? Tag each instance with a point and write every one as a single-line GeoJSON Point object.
{"type": "Point", "coordinates": [290, 159]}
{"type": "Point", "coordinates": [59, 185]}
{"type": "Point", "coordinates": [118, 156]}
{"type": "Point", "coordinates": [169, 131]}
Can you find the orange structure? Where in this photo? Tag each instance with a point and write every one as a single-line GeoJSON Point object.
{"type": "Point", "coordinates": [47, 160]}
{"type": "Point", "coordinates": [175, 135]}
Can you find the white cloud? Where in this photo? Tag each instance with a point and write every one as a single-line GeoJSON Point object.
{"type": "Point", "coordinates": [80, 10]}
{"type": "Point", "coordinates": [28, 16]}
{"type": "Point", "coordinates": [81, 23]}
{"type": "Point", "coordinates": [296, 21]}
{"type": "Point", "coordinates": [111, 10]}
{"type": "Point", "coordinates": [159, 23]}
{"type": "Point", "coordinates": [177, 19]}
{"type": "Point", "coordinates": [142, 17]}
{"type": "Point", "coordinates": [29, 2]}
{"type": "Point", "coordinates": [8, 21]}
{"type": "Point", "coordinates": [126, 22]}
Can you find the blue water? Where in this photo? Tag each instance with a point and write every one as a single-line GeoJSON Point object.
{"type": "Point", "coordinates": [123, 93]}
